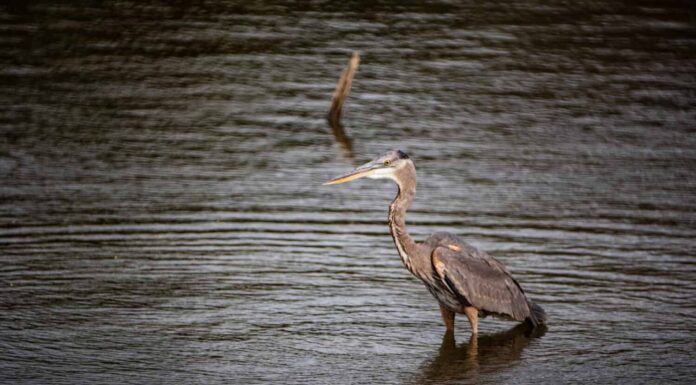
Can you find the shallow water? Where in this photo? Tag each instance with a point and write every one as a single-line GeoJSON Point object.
{"type": "Point", "coordinates": [162, 217]}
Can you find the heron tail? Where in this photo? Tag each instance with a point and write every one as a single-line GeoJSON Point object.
{"type": "Point", "coordinates": [537, 315]}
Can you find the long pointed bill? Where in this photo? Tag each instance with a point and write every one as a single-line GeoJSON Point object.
{"type": "Point", "coordinates": [360, 172]}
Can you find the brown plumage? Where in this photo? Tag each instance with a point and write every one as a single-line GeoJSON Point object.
{"type": "Point", "coordinates": [462, 278]}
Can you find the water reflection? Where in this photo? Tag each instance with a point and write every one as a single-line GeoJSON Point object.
{"type": "Point", "coordinates": [341, 138]}
{"type": "Point", "coordinates": [479, 355]}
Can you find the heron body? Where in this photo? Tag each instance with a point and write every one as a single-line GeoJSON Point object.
{"type": "Point", "coordinates": [462, 278]}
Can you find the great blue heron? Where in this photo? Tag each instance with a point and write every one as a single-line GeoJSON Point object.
{"type": "Point", "coordinates": [462, 278]}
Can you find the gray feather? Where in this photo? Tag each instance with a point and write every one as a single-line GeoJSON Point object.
{"type": "Point", "coordinates": [479, 278]}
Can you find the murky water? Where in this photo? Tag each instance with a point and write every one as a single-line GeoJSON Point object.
{"type": "Point", "coordinates": [162, 219]}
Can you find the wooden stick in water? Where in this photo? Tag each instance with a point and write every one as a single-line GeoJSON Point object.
{"type": "Point", "coordinates": [343, 89]}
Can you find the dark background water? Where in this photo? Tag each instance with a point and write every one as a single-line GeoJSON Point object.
{"type": "Point", "coordinates": [162, 219]}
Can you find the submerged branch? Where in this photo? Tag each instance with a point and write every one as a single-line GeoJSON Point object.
{"type": "Point", "coordinates": [343, 88]}
{"type": "Point", "coordinates": [339, 97]}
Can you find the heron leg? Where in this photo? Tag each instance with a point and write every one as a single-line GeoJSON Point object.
{"type": "Point", "coordinates": [447, 316]}
{"type": "Point", "coordinates": [472, 314]}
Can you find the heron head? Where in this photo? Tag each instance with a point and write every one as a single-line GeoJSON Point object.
{"type": "Point", "coordinates": [386, 166]}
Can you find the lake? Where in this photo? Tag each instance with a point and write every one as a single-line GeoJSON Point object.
{"type": "Point", "coordinates": [162, 218]}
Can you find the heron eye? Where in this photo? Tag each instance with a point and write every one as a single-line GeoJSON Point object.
{"type": "Point", "coordinates": [387, 162]}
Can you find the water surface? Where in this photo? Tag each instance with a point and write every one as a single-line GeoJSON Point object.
{"type": "Point", "coordinates": [162, 218]}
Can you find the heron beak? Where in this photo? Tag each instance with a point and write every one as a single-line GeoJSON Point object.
{"type": "Point", "coordinates": [365, 170]}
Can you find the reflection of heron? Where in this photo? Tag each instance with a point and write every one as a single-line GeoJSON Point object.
{"type": "Point", "coordinates": [461, 277]}
{"type": "Point", "coordinates": [479, 355]}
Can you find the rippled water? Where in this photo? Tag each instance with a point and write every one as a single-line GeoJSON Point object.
{"type": "Point", "coordinates": [162, 219]}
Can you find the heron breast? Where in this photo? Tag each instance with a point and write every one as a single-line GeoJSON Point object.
{"type": "Point", "coordinates": [446, 298]}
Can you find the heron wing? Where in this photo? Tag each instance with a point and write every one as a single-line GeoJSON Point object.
{"type": "Point", "coordinates": [481, 279]}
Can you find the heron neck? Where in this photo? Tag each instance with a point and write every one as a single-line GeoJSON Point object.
{"type": "Point", "coordinates": [405, 245]}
